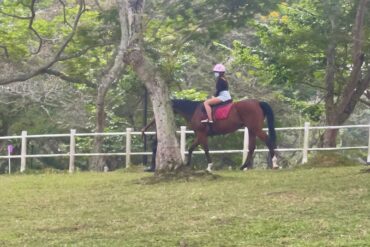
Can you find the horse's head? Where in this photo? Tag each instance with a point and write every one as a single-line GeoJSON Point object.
{"type": "Point", "coordinates": [185, 107]}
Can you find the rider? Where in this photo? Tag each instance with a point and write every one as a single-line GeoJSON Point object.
{"type": "Point", "coordinates": [222, 92]}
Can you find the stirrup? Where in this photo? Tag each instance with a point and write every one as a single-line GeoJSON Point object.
{"type": "Point", "coordinates": [206, 121]}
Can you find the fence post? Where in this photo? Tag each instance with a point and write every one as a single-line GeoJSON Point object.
{"type": "Point", "coordinates": [368, 149]}
{"type": "Point", "coordinates": [245, 144]}
{"type": "Point", "coordinates": [9, 162]}
{"type": "Point", "coordinates": [23, 150]}
{"type": "Point", "coordinates": [72, 151]}
{"type": "Point", "coordinates": [128, 146]}
{"type": "Point", "coordinates": [305, 142]}
{"type": "Point", "coordinates": [182, 142]}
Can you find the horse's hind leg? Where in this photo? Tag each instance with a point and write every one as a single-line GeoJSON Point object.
{"type": "Point", "coordinates": [271, 161]}
{"type": "Point", "coordinates": [248, 163]}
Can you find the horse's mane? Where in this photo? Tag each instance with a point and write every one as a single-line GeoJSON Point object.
{"type": "Point", "coordinates": [185, 106]}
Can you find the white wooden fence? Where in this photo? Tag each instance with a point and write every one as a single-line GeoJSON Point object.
{"type": "Point", "coordinates": [183, 132]}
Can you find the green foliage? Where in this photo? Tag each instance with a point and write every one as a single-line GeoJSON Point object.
{"type": "Point", "coordinates": [290, 53]}
{"type": "Point", "coordinates": [312, 111]}
{"type": "Point", "coordinates": [92, 35]}
{"type": "Point", "coordinates": [191, 94]}
{"type": "Point", "coordinates": [290, 40]}
{"type": "Point", "coordinates": [14, 33]}
{"type": "Point", "coordinates": [22, 42]}
{"type": "Point", "coordinates": [291, 47]}
{"type": "Point", "coordinates": [250, 61]}
{"type": "Point", "coordinates": [170, 38]}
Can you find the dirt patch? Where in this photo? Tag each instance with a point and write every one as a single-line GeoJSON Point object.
{"type": "Point", "coordinates": [64, 229]}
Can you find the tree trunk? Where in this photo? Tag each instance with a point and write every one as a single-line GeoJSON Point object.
{"type": "Point", "coordinates": [329, 135]}
{"type": "Point", "coordinates": [338, 112]}
{"type": "Point", "coordinates": [97, 162]}
{"type": "Point", "coordinates": [168, 156]}
{"type": "Point", "coordinates": [113, 74]}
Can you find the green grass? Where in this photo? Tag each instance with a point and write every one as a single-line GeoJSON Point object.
{"type": "Point", "coordinates": [302, 207]}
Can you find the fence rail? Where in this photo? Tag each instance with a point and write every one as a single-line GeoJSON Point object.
{"type": "Point", "coordinates": [183, 132]}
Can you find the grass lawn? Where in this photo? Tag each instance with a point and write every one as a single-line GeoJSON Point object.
{"type": "Point", "coordinates": [300, 207]}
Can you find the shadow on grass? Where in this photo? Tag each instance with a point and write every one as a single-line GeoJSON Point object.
{"type": "Point", "coordinates": [183, 175]}
{"type": "Point", "coordinates": [366, 170]}
{"type": "Point", "coordinates": [332, 159]}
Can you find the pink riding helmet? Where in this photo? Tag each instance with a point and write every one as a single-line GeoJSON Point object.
{"type": "Point", "coordinates": [219, 68]}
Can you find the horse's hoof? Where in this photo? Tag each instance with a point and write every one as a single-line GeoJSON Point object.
{"type": "Point", "coordinates": [149, 170]}
{"type": "Point", "coordinates": [245, 169]}
{"type": "Point", "coordinates": [209, 167]}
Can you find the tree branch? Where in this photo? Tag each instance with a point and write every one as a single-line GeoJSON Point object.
{"type": "Point", "coordinates": [32, 18]}
{"type": "Point", "coordinates": [15, 16]}
{"type": "Point", "coordinates": [98, 5]}
{"type": "Point", "coordinates": [68, 78]}
{"type": "Point", "coordinates": [355, 86]}
{"type": "Point", "coordinates": [358, 32]}
{"type": "Point", "coordinates": [83, 51]}
{"type": "Point", "coordinates": [25, 76]}
{"type": "Point", "coordinates": [64, 13]}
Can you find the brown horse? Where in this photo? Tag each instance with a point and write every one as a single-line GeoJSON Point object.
{"type": "Point", "coordinates": [245, 113]}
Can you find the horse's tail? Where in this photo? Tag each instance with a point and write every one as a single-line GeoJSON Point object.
{"type": "Point", "coordinates": [269, 114]}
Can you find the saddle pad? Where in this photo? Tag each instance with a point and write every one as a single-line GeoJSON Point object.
{"type": "Point", "coordinates": [222, 112]}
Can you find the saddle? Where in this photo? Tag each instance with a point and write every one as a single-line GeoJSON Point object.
{"type": "Point", "coordinates": [220, 111]}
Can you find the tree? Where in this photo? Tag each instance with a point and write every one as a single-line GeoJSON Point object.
{"type": "Point", "coordinates": [85, 41]}
{"type": "Point", "coordinates": [331, 66]}
{"type": "Point", "coordinates": [131, 19]}
{"type": "Point", "coordinates": [339, 105]}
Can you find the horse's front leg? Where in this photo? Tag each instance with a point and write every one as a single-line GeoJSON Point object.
{"type": "Point", "coordinates": [203, 140]}
{"type": "Point", "coordinates": [209, 160]}
{"type": "Point", "coordinates": [191, 149]}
